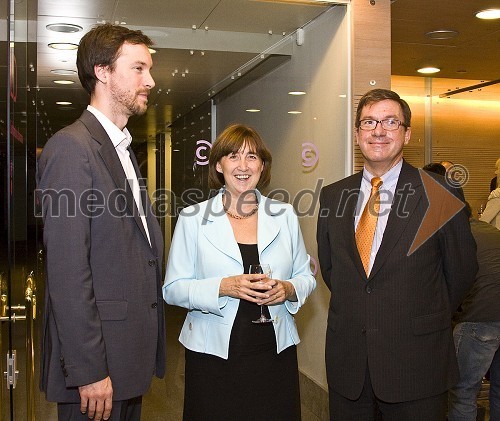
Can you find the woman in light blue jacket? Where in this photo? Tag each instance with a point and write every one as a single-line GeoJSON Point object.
{"type": "Point", "coordinates": [236, 369]}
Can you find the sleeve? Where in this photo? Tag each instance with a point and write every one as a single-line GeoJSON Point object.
{"type": "Point", "coordinates": [459, 256]}
{"type": "Point", "coordinates": [64, 181]}
{"type": "Point", "coordinates": [182, 287]}
{"type": "Point", "coordinates": [491, 210]}
{"type": "Point", "coordinates": [323, 241]}
{"type": "Point", "coordinates": [302, 278]}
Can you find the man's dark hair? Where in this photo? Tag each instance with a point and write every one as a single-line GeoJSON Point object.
{"type": "Point", "coordinates": [101, 47]}
{"type": "Point", "coordinates": [377, 95]}
{"type": "Point", "coordinates": [435, 167]}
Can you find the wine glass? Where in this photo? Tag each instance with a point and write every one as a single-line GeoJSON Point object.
{"type": "Point", "coordinates": [265, 269]}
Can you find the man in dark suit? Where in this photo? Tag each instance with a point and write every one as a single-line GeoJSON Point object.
{"type": "Point", "coordinates": [389, 346]}
{"type": "Point", "coordinates": [104, 334]}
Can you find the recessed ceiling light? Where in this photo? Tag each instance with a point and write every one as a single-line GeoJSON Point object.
{"type": "Point", "coordinates": [151, 50]}
{"type": "Point", "coordinates": [442, 34]}
{"type": "Point", "coordinates": [63, 46]}
{"type": "Point", "coordinates": [488, 14]}
{"type": "Point", "coordinates": [253, 110]}
{"type": "Point", "coordinates": [296, 93]}
{"type": "Point", "coordinates": [64, 27]}
{"type": "Point", "coordinates": [294, 112]}
{"type": "Point", "coordinates": [63, 82]}
{"type": "Point", "coordinates": [63, 72]}
{"type": "Point", "coordinates": [428, 70]}
{"type": "Point", "coordinates": [63, 103]}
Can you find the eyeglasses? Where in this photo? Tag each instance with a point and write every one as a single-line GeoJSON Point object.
{"type": "Point", "coordinates": [388, 124]}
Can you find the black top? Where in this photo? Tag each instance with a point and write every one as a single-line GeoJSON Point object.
{"type": "Point", "coordinates": [245, 335]}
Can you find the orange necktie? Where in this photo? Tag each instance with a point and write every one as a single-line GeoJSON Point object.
{"type": "Point", "coordinates": [367, 223]}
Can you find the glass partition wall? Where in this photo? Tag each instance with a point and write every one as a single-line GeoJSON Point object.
{"type": "Point", "coordinates": [20, 260]}
{"type": "Point", "coordinates": [455, 120]}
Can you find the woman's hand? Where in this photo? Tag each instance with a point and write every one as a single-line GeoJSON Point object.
{"type": "Point", "coordinates": [280, 292]}
{"type": "Point", "coordinates": [250, 287]}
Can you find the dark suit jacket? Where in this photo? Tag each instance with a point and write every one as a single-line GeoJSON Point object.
{"type": "Point", "coordinates": [398, 321]}
{"type": "Point", "coordinates": [103, 310]}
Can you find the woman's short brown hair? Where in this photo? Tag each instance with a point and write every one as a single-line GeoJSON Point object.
{"type": "Point", "coordinates": [233, 139]}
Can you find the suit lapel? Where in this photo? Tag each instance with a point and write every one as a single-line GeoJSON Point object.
{"type": "Point", "coordinates": [146, 205]}
{"type": "Point", "coordinates": [407, 195]}
{"type": "Point", "coordinates": [348, 205]}
{"type": "Point", "coordinates": [267, 229]}
{"type": "Point", "coordinates": [113, 164]}
{"type": "Point", "coordinates": [218, 230]}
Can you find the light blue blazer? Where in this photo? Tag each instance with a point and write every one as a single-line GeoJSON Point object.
{"type": "Point", "coordinates": [204, 251]}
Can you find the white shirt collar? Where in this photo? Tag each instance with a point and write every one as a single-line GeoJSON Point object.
{"type": "Point", "coordinates": [120, 138]}
{"type": "Point", "coordinates": [388, 179]}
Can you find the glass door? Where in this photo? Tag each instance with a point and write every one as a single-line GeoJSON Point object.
{"type": "Point", "coordinates": [19, 255]}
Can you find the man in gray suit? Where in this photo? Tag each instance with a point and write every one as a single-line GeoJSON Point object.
{"type": "Point", "coordinates": [104, 333]}
{"type": "Point", "coordinates": [389, 345]}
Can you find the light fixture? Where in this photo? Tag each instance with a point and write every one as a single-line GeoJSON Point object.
{"type": "Point", "coordinates": [64, 27]}
{"type": "Point", "coordinates": [63, 72]}
{"type": "Point", "coordinates": [151, 50]}
{"type": "Point", "coordinates": [63, 46]}
{"type": "Point", "coordinates": [63, 82]}
{"type": "Point", "coordinates": [253, 110]}
{"type": "Point", "coordinates": [442, 34]}
{"type": "Point", "coordinates": [428, 70]}
{"type": "Point", "coordinates": [63, 103]}
{"type": "Point", "coordinates": [294, 112]}
{"type": "Point", "coordinates": [488, 14]}
{"type": "Point", "coordinates": [296, 93]}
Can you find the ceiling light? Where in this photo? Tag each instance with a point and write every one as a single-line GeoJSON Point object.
{"type": "Point", "coordinates": [63, 103]}
{"type": "Point", "coordinates": [63, 82]}
{"type": "Point", "coordinates": [428, 70]}
{"type": "Point", "coordinates": [64, 27]}
{"type": "Point", "coordinates": [63, 46]}
{"type": "Point", "coordinates": [151, 50]}
{"type": "Point", "coordinates": [294, 112]}
{"type": "Point", "coordinates": [442, 34]}
{"type": "Point", "coordinates": [296, 93]}
{"type": "Point", "coordinates": [253, 110]}
{"type": "Point", "coordinates": [63, 72]}
{"type": "Point", "coordinates": [488, 14]}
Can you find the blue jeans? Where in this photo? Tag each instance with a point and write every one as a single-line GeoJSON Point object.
{"type": "Point", "coordinates": [477, 347]}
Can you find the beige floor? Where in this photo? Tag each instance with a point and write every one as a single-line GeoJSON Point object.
{"type": "Point", "coordinates": [164, 400]}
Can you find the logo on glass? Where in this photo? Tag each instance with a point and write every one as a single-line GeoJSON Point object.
{"type": "Point", "coordinates": [310, 155]}
{"type": "Point", "coordinates": [202, 159]}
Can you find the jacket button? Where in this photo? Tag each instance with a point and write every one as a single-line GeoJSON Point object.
{"type": "Point", "coordinates": [368, 289]}
{"type": "Point", "coordinates": [154, 305]}
{"type": "Point", "coordinates": [152, 262]}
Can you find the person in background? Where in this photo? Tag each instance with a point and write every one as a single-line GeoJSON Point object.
{"type": "Point", "coordinates": [495, 181]}
{"type": "Point", "coordinates": [477, 333]}
{"type": "Point", "coordinates": [436, 168]}
{"type": "Point", "coordinates": [389, 343]}
{"type": "Point", "coordinates": [237, 369]}
{"type": "Point", "coordinates": [491, 212]}
{"type": "Point", "coordinates": [104, 329]}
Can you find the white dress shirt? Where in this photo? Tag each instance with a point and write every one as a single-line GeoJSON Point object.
{"type": "Point", "coordinates": [121, 141]}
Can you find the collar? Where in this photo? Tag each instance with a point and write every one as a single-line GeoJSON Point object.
{"type": "Point", "coordinates": [388, 179]}
{"type": "Point", "coordinates": [117, 136]}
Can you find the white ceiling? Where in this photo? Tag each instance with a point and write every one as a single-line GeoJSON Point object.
{"type": "Point", "coordinates": [229, 33]}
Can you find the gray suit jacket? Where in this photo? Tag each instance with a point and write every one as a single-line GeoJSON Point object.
{"type": "Point", "coordinates": [103, 310]}
{"type": "Point", "coordinates": [398, 320]}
